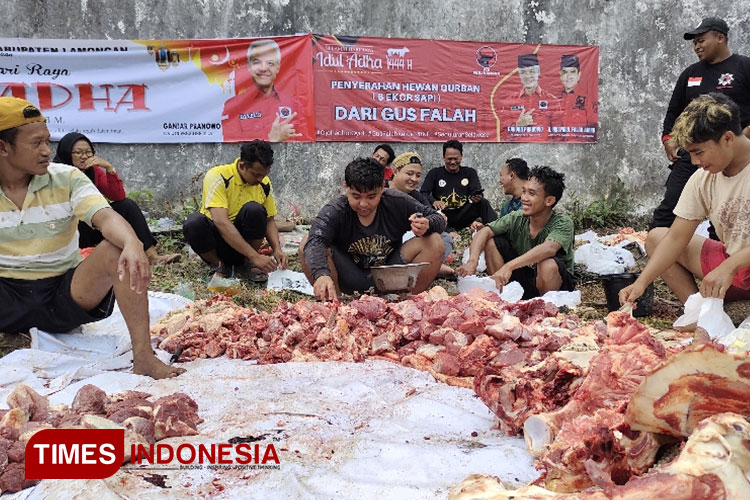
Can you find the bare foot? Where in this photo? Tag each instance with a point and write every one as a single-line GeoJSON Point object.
{"type": "Point", "coordinates": [446, 270]}
{"type": "Point", "coordinates": [155, 368]}
{"type": "Point", "coordinates": [164, 259]}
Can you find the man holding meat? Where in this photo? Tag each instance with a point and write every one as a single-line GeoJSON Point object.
{"type": "Point", "coordinates": [534, 245]}
{"type": "Point", "coordinates": [44, 282]}
{"type": "Point", "coordinates": [237, 213]}
{"type": "Point", "coordinates": [365, 228]}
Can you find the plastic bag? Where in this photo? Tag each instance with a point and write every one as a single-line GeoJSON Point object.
{"type": "Point", "coordinates": [512, 292]}
{"type": "Point", "coordinates": [562, 298]}
{"type": "Point", "coordinates": [481, 267]}
{"type": "Point", "coordinates": [737, 340]}
{"type": "Point", "coordinates": [602, 259]}
{"type": "Point", "coordinates": [707, 313]}
{"type": "Point", "coordinates": [220, 284]}
{"type": "Point", "coordinates": [289, 280]}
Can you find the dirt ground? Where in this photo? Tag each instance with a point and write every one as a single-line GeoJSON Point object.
{"type": "Point", "coordinates": [167, 278]}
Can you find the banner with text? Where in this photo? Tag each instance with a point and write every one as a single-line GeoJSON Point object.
{"type": "Point", "coordinates": [163, 91]}
{"type": "Point", "coordinates": [391, 89]}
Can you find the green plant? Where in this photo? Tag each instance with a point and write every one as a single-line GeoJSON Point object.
{"type": "Point", "coordinates": [142, 197]}
{"type": "Point", "coordinates": [614, 209]}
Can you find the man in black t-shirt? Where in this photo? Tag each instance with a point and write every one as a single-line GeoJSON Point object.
{"type": "Point", "coordinates": [456, 190]}
{"type": "Point", "coordinates": [365, 228]}
{"type": "Point", "coordinates": [717, 70]}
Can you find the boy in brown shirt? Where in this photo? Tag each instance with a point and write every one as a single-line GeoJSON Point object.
{"type": "Point", "coordinates": [709, 129]}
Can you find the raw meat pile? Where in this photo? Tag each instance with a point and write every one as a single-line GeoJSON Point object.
{"type": "Point", "coordinates": [144, 422]}
{"type": "Point", "coordinates": [452, 337]}
{"type": "Point", "coordinates": [714, 464]}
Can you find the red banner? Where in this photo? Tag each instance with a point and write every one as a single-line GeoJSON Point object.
{"type": "Point", "coordinates": [396, 89]}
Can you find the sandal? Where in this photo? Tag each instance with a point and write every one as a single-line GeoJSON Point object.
{"type": "Point", "coordinates": [255, 275]}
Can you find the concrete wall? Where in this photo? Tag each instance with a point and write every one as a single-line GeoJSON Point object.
{"type": "Point", "coordinates": [641, 54]}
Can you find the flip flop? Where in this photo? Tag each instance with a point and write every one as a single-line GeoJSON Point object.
{"type": "Point", "coordinates": [255, 275]}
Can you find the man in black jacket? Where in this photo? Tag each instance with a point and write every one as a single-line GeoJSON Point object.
{"type": "Point", "coordinates": [364, 228]}
{"type": "Point", "coordinates": [717, 70]}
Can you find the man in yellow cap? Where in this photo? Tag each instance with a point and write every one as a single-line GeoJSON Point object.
{"type": "Point", "coordinates": [43, 281]}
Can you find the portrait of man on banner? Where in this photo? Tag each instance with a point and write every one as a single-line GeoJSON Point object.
{"type": "Point", "coordinates": [260, 109]}
{"type": "Point", "coordinates": [579, 113]}
{"type": "Point", "coordinates": [532, 111]}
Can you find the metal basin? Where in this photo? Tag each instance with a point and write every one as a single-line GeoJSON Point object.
{"type": "Point", "coordinates": [396, 278]}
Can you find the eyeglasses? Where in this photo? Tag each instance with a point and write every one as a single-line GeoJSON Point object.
{"type": "Point", "coordinates": [81, 154]}
{"type": "Point", "coordinates": [415, 159]}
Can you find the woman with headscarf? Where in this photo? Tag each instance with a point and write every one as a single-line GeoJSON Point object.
{"type": "Point", "coordinates": [407, 175]}
{"type": "Point", "coordinates": [77, 150]}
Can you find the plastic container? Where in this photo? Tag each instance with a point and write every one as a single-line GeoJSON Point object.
{"type": "Point", "coordinates": [185, 289]}
{"type": "Point", "coordinates": [613, 283]}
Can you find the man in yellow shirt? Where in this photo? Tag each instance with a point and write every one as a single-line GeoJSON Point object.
{"type": "Point", "coordinates": [237, 213]}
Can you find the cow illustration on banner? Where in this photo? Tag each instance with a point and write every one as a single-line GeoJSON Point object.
{"type": "Point", "coordinates": [391, 89]}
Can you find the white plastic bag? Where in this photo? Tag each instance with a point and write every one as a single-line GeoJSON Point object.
{"type": "Point", "coordinates": [481, 267]}
{"type": "Point", "coordinates": [287, 279]}
{"type": "Point", "coordinates": [707, 313]}
{"type": "Point", "coordinates": [562, 298]}
{"type": "Point", "coordinates": [602, 259]}
{"type": "Point", "coordinates": [512, 292]}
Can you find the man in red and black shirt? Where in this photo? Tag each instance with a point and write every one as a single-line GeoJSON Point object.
{"type": "Point", "coordinates": [259, 111]}
{"type": "Point", "coordinates": [717, 70]}
{"type": "Point", "coordinates": [577, 119]}
{"type": "Point", "coordinates": [534, 110]}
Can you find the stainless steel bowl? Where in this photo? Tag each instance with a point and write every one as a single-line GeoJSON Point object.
{"type": "Point", "coordinates": [397, 277]}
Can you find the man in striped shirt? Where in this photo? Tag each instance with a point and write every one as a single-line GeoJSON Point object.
{"type": "Point", "coordinates": [44, 282]}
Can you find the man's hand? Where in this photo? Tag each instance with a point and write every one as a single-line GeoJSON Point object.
{"type": "Point", "coordinates": [419, 224]}
{"type": "Point", "coordinates": [133, 260]}
{"type": "Point", "coordinates": [717, 282]}
{"type": "Point", "coordinates": [281, 259]}
{"type": "Point", "coordinates": [264, 263]}
{"type": "Point", "coordinates": [281, 130]}
{"type": "Point", "coordinates": [502, 276]}
{"type": "Point", "coordinates": [525, 119]}
{"type": "Point", "coordinates": [671, 149]}
{"type": "Point", "coordinates": [438, 205]}
{"type": "Point", "coordinates": [476, 198]}
{"type": "Point", "coordinates": [324, 289]}
{"type": "Point", "coordinates": [631, 293]}
{"type": "Point", "coordinates": [476, 226]}
{"type": "Point", "coordinates": [468, 269]}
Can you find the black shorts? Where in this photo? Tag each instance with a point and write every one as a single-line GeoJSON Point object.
{"type": "Point", "coordinates": [46, 304]}
{"type": "Point", "coordinates": [526, 276]}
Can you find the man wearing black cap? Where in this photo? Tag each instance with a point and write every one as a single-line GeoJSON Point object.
{"type": "Point", "coordinates": [534, 109]}
{"type": "Point", "coordinates": [717, 70]}
{"type": "Point", "coordinates": [577, 110]}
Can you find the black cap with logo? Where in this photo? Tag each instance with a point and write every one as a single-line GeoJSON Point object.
{"type": "Point", "coordinates": [708, 24]}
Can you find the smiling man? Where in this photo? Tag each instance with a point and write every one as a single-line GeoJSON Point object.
{"type": "Point", "coordinates": [365, 228]}
{"type": "Point", "coordinates": [717, 70]}
{"type": "Point", "coordinates": [44, 282]}
{"type": "Point", "coordinates": [258, 110]}
{"type": "Point", "coordinates": [533, 246]}
{"type": "Point", "coordinates": [710, 131]}
{"type": "Point", "coordinates": [456, 191]}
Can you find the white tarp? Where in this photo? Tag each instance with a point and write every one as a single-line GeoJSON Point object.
{"type": "Point", "coordinates": [373, 430]}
